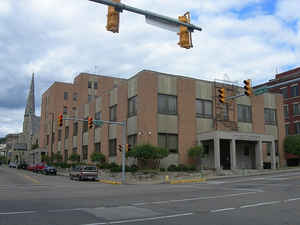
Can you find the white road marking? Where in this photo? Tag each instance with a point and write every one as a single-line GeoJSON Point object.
{"type": "Point", "coordinates": [14, 213]}
{"type": "Point", "coordinates": [136, 204]}
{"type": "Point", "coordinates": [221, 210]}
{"type": "Point", "coordinates": [292, 199]}
{"type": "Point", "coordinates": [143, 219]}
{"type": "Point", "coordinates": [243, 189]}
{"type": "Point", "coordinates": [259, 204]}
{"type": "Point", "coordinates": [64, 210]}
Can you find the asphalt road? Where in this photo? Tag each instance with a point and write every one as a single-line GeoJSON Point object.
{"type": "Point", "coordinates": [34, 199]}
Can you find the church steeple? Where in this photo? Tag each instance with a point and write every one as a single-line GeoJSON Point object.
{"type": "Point", "coordinates": [30, 105]}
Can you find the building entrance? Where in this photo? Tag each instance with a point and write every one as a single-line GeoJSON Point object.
{"type": "Point", "coordinates": [225, 154]}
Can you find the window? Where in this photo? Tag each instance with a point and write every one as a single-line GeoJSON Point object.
{"type": "Point", "coordinates": [66, 96]}
{"type": "Point", "coordinates": [47, 139]}
{"type": "Point", "coordinates": [85, 125]}
{"type": "Point", "coordinates": [84, 152]}
{"type": "Point", "coordinates": [53, 138]}
{"type": "Point", "coordinates": [66, 155]}
{"type": "Point", "coordinates": [98, 117]}
{"type": "Point", "coordinates": [167, 104]}
{"type": "Point", "coordinates": [269, 146]}
{"type": "Point", "coordinates": [112, 147]}
{"type": "Point", "coordinates": [296, 109]}
{"type": "Point", "coordinates": [98, 147]}
{"type": "Point", "coordinates": [284, 92]}
{"type": "Point", "coordinates": [66, 132]}
{"type": "Point", "coordinates": [244, 113]}
{"type": "Point", "coordinates": [168, 141]}
{"type": "Point", "coordinates": [90, 84]}
{"type": "Point", "coordinates": [65, 110]}
{"type": "Point", "coordinates": [287, 128]}
{"type": "Point", "coordinates": [74, 150]}
{"type": "Point", "coordinates": [286, 111]}
{"type": "Point", "coordinates": [132, 106]}
{"type": "Point", "coordinates": [113, 113]}
{"type": "Point", "coordinates": [295, 91]}
{"type": "Point", "coordinates": [90, 98]}
{"type": "Point", "coordinates": [132, 140]}
{"type": "Point", "coordinates": [270, 116]}
{"type": "Point", "coordinates": [203, 108]}
{"type": "Point", "coordinates": [75, 129]}
{"type": "Point", "coordinates": [297, 128]}
{"type": "Point", "coordinates": [75, 96]}
{"type": "Point", "coordinates": [59, 135]}
{"type": "Point", "coordinates": [95, 85]}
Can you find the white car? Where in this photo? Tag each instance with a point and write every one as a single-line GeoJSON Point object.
{"type": "Point", "coordinates": [12, 165]}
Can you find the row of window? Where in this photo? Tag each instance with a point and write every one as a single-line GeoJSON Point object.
{"type": "Point", "coordinates": [294, 91]}
{"type": "Point", "coordinates": [296, 110]}
{"type": "Point", "coordinates": [296, 131]}
{"type": "Point", "coordinates": [75, 96]}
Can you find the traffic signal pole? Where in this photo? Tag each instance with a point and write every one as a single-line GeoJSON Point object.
{"type": "Point", "coordinates": [149, 15]}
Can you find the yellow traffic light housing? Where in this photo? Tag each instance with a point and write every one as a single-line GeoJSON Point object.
{"type": "Point", "coordinates": [113, 18]}
{"type": "Point", "coordinates": [60, 120]}
{"type": "Point", "coordinates": [247, 87]}
{"type": "Point", "coordinates": [185, 36]}
{"type": "Point", "coordinates": [90, 122]}
{"type": "Point", "coordinates": [221, 95]}
{"type": "Point", "coordinates": [128, 147]}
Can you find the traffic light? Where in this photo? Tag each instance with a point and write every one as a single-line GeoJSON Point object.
{"type": "Point", "coordinates": [90, 122]}
{"type": "Point", "coordinates": [128, 147]}
{"type": "Point", "coordinates": [113, 19]}
{"type": "Point", "coordinates": [221, 95]}
{"type": "Point", "coordinates": [120, 148]}
{"type": "Point", "coordinates": [60, 120]}
{"type": "Point", "coordinates": [185, 36]}
{"type": "Point", "coordinates": [247, 87]}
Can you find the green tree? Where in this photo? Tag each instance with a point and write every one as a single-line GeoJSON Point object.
{"type": "Point", "coordinates": [148, 155]}
{"type": "Point", "coordinates": [196, 153]}
{"type": "Point", "coordinates": [292, 144]}
{"type": "Point", "coordinates": [98, 157]}
{"type": "Point", "coordinates": [57, 157]}
{"type": "Point", "coordinates": [74, 157]}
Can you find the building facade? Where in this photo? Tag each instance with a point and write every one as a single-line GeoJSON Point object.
{"type": "Point", "coordinates": [171, 111]}
{"type": "Point", "coordinates": [291, 98]}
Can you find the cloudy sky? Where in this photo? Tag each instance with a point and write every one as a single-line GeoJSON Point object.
{"type": "Point", "coordinates": [57, 39]}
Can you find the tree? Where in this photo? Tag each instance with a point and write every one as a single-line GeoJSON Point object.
{"type": "Point", "coordinates": [148, 155]}
{"type": "Point", "coordinates": [74, 157]}
{"type": "Point", "coordinates": [292, 144]}
{"type": "Point", "coordinates": [57, 157]}
{"type": "Point", "coordinates": [98, 157]}
{"type": "Point", "coordinates": [196, 153]}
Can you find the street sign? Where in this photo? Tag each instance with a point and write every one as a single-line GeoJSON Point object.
{"type": "Point", "coordinates": [98, 123]}
{"type": "Point", "coordinates": [260, 91]}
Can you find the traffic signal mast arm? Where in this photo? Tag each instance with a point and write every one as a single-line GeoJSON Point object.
{"type": "Point", "coordinates": [164, 19]}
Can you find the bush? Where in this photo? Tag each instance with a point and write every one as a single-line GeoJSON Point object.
{"type": "Point", "coordinates": [133, 168]}
{"type": "Point", "coordinates": [182, 167]}
{"type": "Point", "coordinates": [196, 152]}
{"type": "Point", "coordinates": [162, 169]}
{"type": "Point", "coordinates": [97, 157]}
{"type": "Point", "coordinates": [116, 169]}
{"type": "Point", "coordinates": [74, 157]}
{"type": "Point", "coordinates": [192, 168]}
{"type": "Point", "coordinates": [172, 168]}
{"type": "Point", "coordinates": [292, 144]}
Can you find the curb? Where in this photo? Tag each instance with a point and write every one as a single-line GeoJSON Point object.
{"type": "Point", "coordinates": [187, 181]}
{"type": "Point", "coordinates": [109, 182]}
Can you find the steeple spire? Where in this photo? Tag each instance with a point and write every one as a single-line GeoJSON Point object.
{"type": "Point", "coordinates": [30, 105]}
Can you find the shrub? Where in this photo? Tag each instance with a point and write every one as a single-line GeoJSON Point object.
{"type": "Point", "coordinates": [172, 168]}
{"type": "Point", "coordinates": [292, 144]}
{"type": "Point", "coordinates": [97, 157]}
{"type": "Point", "coordinates": [162, 169]}
{"type": "Point", "coordinates": [192, 168]}
{"type": "Point", "coordinates": [182, 167]}
{"type": "Point", "coordinates": [74, 157]}
{"type": "Point", "coordinates": [133, 168]}
{"type": "Point", "coordinates": [196, 152]}
{"type": "Point", "coordinates": [116, 169]}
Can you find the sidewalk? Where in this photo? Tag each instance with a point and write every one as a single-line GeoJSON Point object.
{"type": "Point", "coordinates": [181, 177]}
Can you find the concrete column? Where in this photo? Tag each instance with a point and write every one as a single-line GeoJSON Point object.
{"type": "Point", "coordinates": [217, 153]}
{"type": "Point", "coordinates": [259, 155]}
{"type": "Point", "coordinates": [273, 155]}
{"type": "Point", "coordinates": [233, 154]}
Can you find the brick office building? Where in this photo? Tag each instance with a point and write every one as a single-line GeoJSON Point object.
{"type": "Point", "coordinates": [291, 97]}
{"type": "Point", "coordinates": [171, 111]}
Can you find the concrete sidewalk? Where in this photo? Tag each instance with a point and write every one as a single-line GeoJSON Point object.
{"type": "Point", "coordinates": [181, 177]}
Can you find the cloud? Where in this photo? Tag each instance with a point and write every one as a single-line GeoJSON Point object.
{"type": "Point", "coordinates": [59, 39]}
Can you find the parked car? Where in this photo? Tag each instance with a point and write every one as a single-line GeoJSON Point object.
{"type": "Point", "coordinates": [49, 170]}
{"type": "Point", "coordinates": [12, 165]}
{"type": "Point", "coordinates": [39, 167]}
{"type": "Point", "coordinates": [22, 165]}
{"type": "Point", "coordinates": [84, 173]}
{"type": "Point", "coordinates": [31, 167]}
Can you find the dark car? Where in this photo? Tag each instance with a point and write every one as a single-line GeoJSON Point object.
{"type": "Point", "coordinates": [22, 165]}
{"type": "Point", "coordinates": [49, 170]}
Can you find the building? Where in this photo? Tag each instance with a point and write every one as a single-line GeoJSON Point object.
{"type": "Point", "coordinates": [171, 111]}
{"type": "Point", "coordinates": [19, 145]}
{"type": "Point", "coordinates": [291, 97]}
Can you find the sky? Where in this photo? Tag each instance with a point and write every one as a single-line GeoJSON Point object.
{"type": "Point", "coordinates": [58, 39]}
